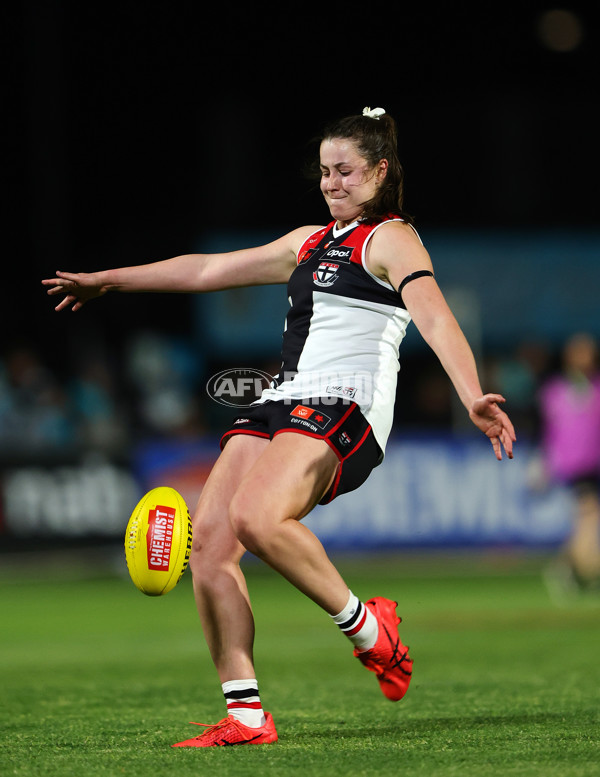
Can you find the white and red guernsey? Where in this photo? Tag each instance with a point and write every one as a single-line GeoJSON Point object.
{"type": "Point", "coordinates": [343, 329]}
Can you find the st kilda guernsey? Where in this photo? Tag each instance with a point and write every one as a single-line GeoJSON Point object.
{"type": "Point", "coordinates": [343, 329]}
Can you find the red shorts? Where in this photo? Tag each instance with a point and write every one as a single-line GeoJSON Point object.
{"type": "Point", "coordinates": [339, 422]}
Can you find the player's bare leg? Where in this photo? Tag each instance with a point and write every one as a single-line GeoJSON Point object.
{"type": "Point", "coordinates": [288, 479]}
{"type": "Point", "coordinates": [254, 499]}
{"type": "Point", "coordinates": [224, 604]}
{"type": "Point", "coordinates": [219, 585]}
{"type": "Point", "coordinates": [285, 483]}
{"type": "Point", "coordinates": [263, 488]}
{"type": "Point", "coordinates": [222, 596]}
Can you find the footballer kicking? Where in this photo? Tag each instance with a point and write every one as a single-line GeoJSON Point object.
{"type": "Point", "coordinates": [320, 429]}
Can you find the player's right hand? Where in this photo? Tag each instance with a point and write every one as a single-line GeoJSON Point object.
{"type": "Point", "coordinates": [78, 288]}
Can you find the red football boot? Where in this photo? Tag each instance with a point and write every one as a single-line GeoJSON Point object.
{"type": "Point", "coordinates": [388, 658]}
{"type": "Point", "coordinates": [230, 731]}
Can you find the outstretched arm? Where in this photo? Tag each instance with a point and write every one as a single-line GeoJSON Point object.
{"type": "Point", "coordinates": [400, 253]}
{"type": "Point", "coordinates": [271, 263]}
{"type": "Point", "coordinates": [439, 328]}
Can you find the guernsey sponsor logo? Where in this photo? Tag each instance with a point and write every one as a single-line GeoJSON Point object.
{"type": "Point", "coordinates": [340, 254]}
{"type": "Point", "coordinates": [160, 537]}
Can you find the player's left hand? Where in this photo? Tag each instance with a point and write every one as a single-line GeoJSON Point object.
{"type": "Point", "coordinates": [493, 422]}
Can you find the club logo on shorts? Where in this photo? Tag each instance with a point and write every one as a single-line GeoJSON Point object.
{"type": "Point", "coordinates": [325, 274]}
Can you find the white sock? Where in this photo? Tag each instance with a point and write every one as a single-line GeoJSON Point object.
{"type": "Point", "coordinates": [358, 623]}
{"type": "Point", "coordinates": [243, 702]}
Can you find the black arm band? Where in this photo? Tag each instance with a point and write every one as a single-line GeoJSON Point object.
{"type": "Point", "coordinates": [412, 277]}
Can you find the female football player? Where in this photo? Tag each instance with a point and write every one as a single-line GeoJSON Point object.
{"type": "Point", "coordinates": [354, 286]}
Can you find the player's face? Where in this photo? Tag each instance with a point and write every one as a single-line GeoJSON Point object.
{"type": "Point", "coordinates": [347, 181]}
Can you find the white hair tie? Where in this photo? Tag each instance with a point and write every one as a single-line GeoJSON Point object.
{"type": "Point", "coordinates": [373, 114]}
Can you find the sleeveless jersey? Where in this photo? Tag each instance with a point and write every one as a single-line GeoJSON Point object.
{"type": "Point", "coordinates": [343, 329]}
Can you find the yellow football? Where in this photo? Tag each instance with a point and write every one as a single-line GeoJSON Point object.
{"type": "Point", "coordinates": [158, 541]}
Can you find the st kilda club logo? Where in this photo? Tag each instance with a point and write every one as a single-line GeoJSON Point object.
{"type": "Point", "coordinates": [326, 274]}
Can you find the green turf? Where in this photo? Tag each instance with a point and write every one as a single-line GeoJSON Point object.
{"type": "Point", "coordinates": [96, 679]}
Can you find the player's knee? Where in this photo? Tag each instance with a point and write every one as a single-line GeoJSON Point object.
{"type": "Point", "coordinates": [201, 562]}
{"type": "Point", "coordinates": [247, 525]}
{"type": "Point", "coordinates": [209, 553]}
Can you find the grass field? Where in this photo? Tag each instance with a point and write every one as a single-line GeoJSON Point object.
{"type": "Point", "coordinates": [97, 679]}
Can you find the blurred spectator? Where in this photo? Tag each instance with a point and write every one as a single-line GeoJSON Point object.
{"type": "Point", "coordinates": [34, 408]}
{"type": "Point", "coordinates": [84, 405]}
{"type": "Point", "coordinates": [518, 377]}
{"type": "Point", "coordinates": [165, 375]}
{"type": "Point", "coordinates": [101, 421]}
{"type": "Point", "coordinates": [570, 419]}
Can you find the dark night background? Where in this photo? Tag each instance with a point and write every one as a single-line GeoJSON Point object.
{"type": "Point", "coordinates": [138, 131]}
{"type": "Point", "coordinates": [136, 128]}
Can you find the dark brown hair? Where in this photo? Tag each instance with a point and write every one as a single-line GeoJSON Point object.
{"type": "Point", "coordinates": [375, 139]}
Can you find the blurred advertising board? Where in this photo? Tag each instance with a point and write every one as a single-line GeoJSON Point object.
{"type": "Point", "coordinates": [431, 491]}
{"type": "Point", "coordinates": [73, 498]}
{"type": "Point", "coordinates": [442, 491]}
